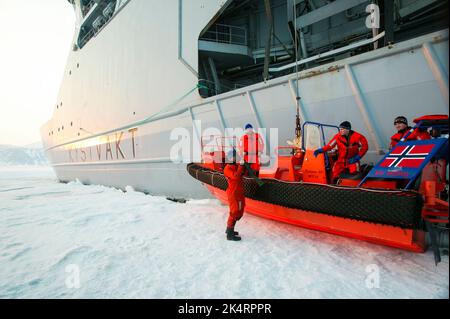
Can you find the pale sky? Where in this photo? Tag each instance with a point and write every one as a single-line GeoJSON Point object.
{"type": "Point", "coordinates": [35, 39]}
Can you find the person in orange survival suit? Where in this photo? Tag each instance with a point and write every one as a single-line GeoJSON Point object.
{"type": "Point", "coordinates": [401, 125]}
{"type": "Point", "coordinates": [351, 145]}
{"type": "Point", "coordinates": [235, 193]}
{"type": "Point", "coordinates": [251, 145]}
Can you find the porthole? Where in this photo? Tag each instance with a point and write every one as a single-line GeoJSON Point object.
{"type": "Point", "coordinates": [71, 123]}
{"type": "Point", "coordinates": [78, 65]}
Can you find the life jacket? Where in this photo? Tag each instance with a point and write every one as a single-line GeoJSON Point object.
{"type": "Point", "coordinates": [415, 135]}
{"type": "Point", "coordinates": [348, 146]}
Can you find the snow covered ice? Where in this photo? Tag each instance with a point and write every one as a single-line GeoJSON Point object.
{"type": "Point", "coordinates": [132, 245]}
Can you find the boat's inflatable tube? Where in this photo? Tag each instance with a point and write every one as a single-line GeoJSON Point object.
{"type": "Point", "coordinates": [389, 207]}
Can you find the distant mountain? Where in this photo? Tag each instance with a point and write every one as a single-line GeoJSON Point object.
{"type": "Point", "coordinates": [34, 145]}
{"type": "Point", "coordinates": [11, 155]}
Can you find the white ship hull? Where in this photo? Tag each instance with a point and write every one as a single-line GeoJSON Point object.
{"type": "Point", "coordinates": [125, 76]}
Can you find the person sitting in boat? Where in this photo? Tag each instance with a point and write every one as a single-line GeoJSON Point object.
{"type": "Point", "coordinates": [351, 146]}
{"type": "Point", "coordinates": [251, 145]}
{"type": "Point", "coordinates": [235, 193]}
{"type": "Point", "coordinates": [401, 125]}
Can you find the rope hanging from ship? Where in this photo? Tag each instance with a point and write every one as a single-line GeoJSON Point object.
{"type": "Point", "coordinates": [298, 129]}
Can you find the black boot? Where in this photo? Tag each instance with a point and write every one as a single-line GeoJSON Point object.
{"type": "Point", "coordinates": [231, 235]}
{"type": "Point", "coordinates": [235, 232]}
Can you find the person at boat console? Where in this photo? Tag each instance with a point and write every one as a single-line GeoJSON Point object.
{"type": "Point", "coordinates": [251, 145]}
{"type": "Point", "coordinates": [351, 147]}
{"type": "Point", "coordinates": [402, 127]}
{"type": "Point", "coordinates": [235, 193]}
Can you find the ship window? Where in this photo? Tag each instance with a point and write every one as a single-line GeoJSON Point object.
{"type": "Point", "coordinates": [71, 123]}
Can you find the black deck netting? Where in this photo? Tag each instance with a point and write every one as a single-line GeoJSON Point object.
{"type": "Point", "coordinates": [395, 208]}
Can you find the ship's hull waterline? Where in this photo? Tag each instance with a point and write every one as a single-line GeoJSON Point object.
{"type": "Point", "coordinates": [409, 78]}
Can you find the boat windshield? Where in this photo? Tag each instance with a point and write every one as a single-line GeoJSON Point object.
{"type": "Point", "coordinates": [312, 137]}
{"type": "Point", "coordinates": [316, 135]}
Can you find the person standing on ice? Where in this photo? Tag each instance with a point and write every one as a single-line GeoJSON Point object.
{"type": "Point", "coordinates": [351, 146]}
{"type": "Point", "coordinates": [251, 145]}
{"type": "Point", "coordinates": [235, 193]}
{"type": "Point", "coordinates": [401, 125]}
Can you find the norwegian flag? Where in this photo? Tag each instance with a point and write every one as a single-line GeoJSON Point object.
{"type": "Point", "coordinates": [407, 156]}
{"type": "Point", "coordinates": [407, 160]}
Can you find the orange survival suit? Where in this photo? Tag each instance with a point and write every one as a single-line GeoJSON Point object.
{"type": "Point", "coordinates": [250, 146]}
{"type": "Point", "coordinates": [415, 135]}
{"type": "Point", "coordinates": [354, 145]}
{"type": "Point", "coordinates": [235, 192]}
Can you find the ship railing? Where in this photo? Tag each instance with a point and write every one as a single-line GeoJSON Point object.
{"type": "Point", "coordinates": [329, 53]}
{"type": "Point", "coordinates": [223, 33]}
{"type": "Point", "coordinates": [109, 10]}
{"type": "Point", "coordinates": [86, 37]}
{"type": "Point", "coordinates": [97, 25]}
{"type": "Point", "coordinates": [88, 7]}
{"type": "Point", "coordinates": [212, 90]}
{"type": "Point", "coordinates": [214, 147]}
